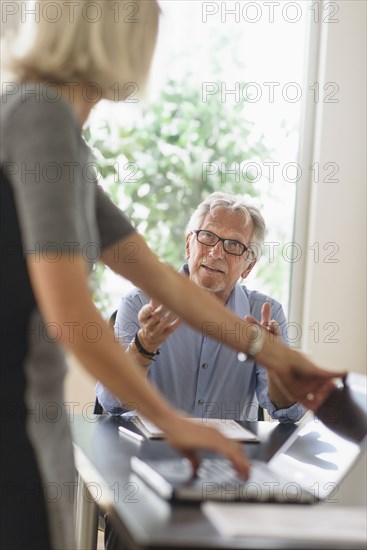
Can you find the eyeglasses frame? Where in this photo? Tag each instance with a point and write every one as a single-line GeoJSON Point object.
{"type": "Point", "coordinates": [245, 247]}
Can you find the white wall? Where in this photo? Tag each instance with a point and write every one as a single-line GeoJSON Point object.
{"type": "Point", "coordinates": [79, 389]}
{"type": "Point", "coordinates": [336, 292]}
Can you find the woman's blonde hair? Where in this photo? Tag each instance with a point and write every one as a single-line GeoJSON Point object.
{"type": "Point", "coordinates": [106, 42]}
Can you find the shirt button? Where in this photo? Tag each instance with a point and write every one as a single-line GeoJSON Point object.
{"type": "Point", "coordinates": [205, 365]}
{"type": "Point", "coordinates": [201, 402]}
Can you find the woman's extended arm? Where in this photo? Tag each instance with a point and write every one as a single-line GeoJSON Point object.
{"type": "Point", "coordinates": [296, 375]}
{"type": "Point", "coordinates": [64, 299]}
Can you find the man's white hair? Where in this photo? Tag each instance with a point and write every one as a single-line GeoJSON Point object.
{"type": "Point", "coordinates": [233, 203]}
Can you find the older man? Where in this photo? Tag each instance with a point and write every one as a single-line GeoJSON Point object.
{"type": "Point", "coordinates": [195, 373]}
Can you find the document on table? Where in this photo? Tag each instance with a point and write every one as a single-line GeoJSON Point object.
{"type": "Point", "coordinates": [229, 428]}
{"type": "Point", "coordinates": [319, 523]}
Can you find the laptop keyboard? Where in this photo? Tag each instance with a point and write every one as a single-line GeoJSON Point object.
{"type": "Point", "coordinates": [221, 469]}
{"type": "Point", "coordinates": [216, 479]}
{"type": "Point", "coordinates": [219, 481]}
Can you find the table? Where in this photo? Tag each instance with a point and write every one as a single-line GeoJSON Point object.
{"type": "Point", "coordinates": [142, 519]}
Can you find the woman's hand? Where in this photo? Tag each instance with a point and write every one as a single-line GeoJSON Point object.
{"type": "Point", "coordinates": [188, 437]}
{"type": "Point", "coordinates": [297, 378]}
{"type": "Point", "coordinates": [157, 324]}
{"type": "Point", "coordinates": [302, 381]}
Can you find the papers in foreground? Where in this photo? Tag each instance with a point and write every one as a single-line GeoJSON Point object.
{"type": "Point", "coordinates": [317, 523]}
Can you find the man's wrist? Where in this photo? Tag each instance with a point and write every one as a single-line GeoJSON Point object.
{"type": "Point", "coordinates": [143, 356]}
{"type": "Point", "coordinates": [142, 348]}
{"type": "Point", "coordinates": [141, 359]}
{"type": "Point", "coordinates": [143, 344]}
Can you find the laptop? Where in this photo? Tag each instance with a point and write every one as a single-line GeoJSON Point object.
{"type": "Point", "coordinates": [306, 469]}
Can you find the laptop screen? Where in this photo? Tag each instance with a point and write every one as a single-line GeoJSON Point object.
{"type": "Point", "coordinates": [317, 459]}
{"type": "Point", "coordinates": [321, 452]}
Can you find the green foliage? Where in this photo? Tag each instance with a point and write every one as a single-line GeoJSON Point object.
{"type": "Point", "coordinates": [155, 167]}
{"type": "Point", "coordinates": [100, 295]}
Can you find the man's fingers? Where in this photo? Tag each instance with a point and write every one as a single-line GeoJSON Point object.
{"type": "Point", "coordinates": [160, 310]}
{"type": "Point", "coordinates": [162, 313]}
{"type": "Point", "coordinates": [145, 313]}
{"type": "Point", "coordinates": [154, 304]}
{"type": "Point", "coordinates": [168, 319]}
{"type": "Point", "coordinates": [173, 326]}
{"type": "Point", "coordinates": [274, 327]}
{"type": "Point", "coordinates": [265, 314]}
{"type": "Point", "coordinates": [157, 325]}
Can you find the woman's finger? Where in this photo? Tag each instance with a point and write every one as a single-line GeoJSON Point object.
{"type": "Point", "coordinates": [234, 452]}
{"type": "Point", "coordinates": [251, 319]}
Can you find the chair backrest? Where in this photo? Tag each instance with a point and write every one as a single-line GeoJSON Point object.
{"type": "Point", "coordinates": [98, 409]}
{"type": "Point", "coordinates": [112, 319]}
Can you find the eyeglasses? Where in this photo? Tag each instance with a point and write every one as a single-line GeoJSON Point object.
{"type": "Point", "coordinates": [211, 239]}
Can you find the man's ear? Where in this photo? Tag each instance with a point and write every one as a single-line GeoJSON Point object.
{"type": "Point", "coordinates": [187, 246]}
{"type": "Point", "coordinates": [248, 269]}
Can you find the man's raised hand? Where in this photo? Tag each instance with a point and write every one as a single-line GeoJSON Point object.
{"type": "Point", "coordinates": [157, 323]}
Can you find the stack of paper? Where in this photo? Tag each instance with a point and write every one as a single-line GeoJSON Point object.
{"type": "Point", "coordinates": [229, 428]}
{"type": "Point", "coordinates": [319, 523]}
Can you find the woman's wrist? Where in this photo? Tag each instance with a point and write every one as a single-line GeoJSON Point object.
{"type": "Point", "coordinates": [167, 419]}
{"type": "Point", "coordinates": [274, 353]}
{"type": "Point", "coordinates": [256, 340]}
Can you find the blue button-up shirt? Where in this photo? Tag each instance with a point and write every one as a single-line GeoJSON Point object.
{"type": "Point", "coordinates": [199, 375]}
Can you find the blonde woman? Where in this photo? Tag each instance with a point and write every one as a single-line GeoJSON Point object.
{"type": "Point", "coordinates": [56, 222]}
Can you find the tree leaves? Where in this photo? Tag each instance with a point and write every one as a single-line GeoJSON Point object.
{"type": "Point", "coordinates": [171, 146]}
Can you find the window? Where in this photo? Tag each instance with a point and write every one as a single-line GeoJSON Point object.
{"type": "Point", "coordinates": [223, 113]}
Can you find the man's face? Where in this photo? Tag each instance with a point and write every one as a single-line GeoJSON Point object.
{"type": "Point", "coordinates": [211, 267]}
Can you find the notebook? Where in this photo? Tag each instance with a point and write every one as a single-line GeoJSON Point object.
{"type": "Point", "coordinates": [307, 468]}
